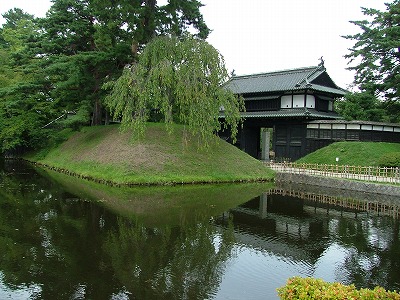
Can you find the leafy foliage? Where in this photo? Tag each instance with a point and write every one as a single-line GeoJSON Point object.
{"type": "Point", "coordinates": [91, 41]}
{"type": "Point", "coordinates": [60, 62]}
{"type": "Point", "coordinates": [361, 106]}
{"type": "Point", "coordinates": [310, 288]}
{"type": "Point", "coordinates": [391, 159]}
{"type": "Point", "coordinates": [376, 52]}
{"type": "Point", "coordinates": [181, 79]}
{"type": "Point", "coordinates": [23, 109]}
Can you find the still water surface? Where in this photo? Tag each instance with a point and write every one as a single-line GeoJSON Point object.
{"type": "Point", "coordinates": [63, 238]}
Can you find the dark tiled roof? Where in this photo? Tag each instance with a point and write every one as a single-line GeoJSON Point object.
{"type": "Point", "coordinates": [289, 113]}
{"type": "Point", "coordinates": [321, 88]}
{"type": "Point", "coordinates": [279, 81]}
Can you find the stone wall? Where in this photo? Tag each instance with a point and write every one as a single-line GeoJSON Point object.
{"type": "Point", "coordinates": [389, 194]}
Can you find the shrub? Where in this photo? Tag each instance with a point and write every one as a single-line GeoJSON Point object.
{"type": "Point", "coordinates": [391, 159]}
{"type": "Point", "coordinates": [311, 288]}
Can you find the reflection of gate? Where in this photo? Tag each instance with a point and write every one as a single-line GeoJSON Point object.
{"type": "Point", "coordinates": [376, 206]}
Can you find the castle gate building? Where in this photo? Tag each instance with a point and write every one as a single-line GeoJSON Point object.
{"type": "Point", "coordinates": [279, 105]}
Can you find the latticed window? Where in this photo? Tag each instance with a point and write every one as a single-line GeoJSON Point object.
{"type": "Point", "coordinates": [325, 133]}
{"type": "Point", "coordinates": [312, 133]}
{"type": "Point", "coordinates": [353, 135]}
{"type": "Point", "coordinates": [339, 134]}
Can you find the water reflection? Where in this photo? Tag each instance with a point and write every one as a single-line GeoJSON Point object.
{"type": "Point", "coordinates": [347, 245]}
{"type": "Point", "coordinates": [169, 263]}
{"type": "Point", "coordinates": [63, 238]}
{"type": "Point", "coordinates": [128, 243]}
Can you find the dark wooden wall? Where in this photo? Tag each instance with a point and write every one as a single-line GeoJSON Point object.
{"type": "Point", "coordinates": [292, 140]}
{"type": "Point", "coordinates": [289, 140]}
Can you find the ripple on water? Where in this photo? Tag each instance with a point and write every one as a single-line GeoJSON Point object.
{"type": "Point", "coordinates": [260, 267]}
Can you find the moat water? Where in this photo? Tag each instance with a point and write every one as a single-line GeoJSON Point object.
{"type": "Point", "coordinates": [65, 238]}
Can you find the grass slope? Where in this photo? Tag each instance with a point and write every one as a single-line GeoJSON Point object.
{"type": "Point", "coordinates": [105, 153]}
{"type": "Point", "coordinates": [351, 153]}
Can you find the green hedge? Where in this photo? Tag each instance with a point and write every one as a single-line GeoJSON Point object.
{"type": "Point", "coordinates": [391, 159]}
{"type": "Point", "coordinates": [311, 288]}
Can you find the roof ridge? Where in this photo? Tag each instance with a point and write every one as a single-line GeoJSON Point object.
{"type": "Point", "coordinates": [275, 72]}
{"type": "Point", "coordinates": [312, 76]}
{"type": "Point", "coordinates": [284, 80]}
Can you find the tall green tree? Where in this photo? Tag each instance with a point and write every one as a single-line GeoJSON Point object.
{"type": "Point", "coordinates": [14, 16]}
{"type": "Point", "coordinates": [78, 56]}
{"type": "Point", "coordinates": [89, 42]}
{"type": "Point", "coordinates": [60, 62]}
{"type": "Point", "coordinates": [361, 106]}
{"type": "Point", "coordinates": [376, 53]}
{"type": "Point", "coordinates": [180, 78]}
{"type": "Point", "coordinates": [23, 108]}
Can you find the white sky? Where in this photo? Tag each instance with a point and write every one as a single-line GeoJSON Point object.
{"type": "Point", "coordinates": [258, 36]}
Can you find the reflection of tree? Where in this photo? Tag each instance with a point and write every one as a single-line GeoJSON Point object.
{"type": "Point", "coordinates": [183, 262]}
{"type": "Point", "coordinates": [45, 240]}
{"type": "Point", "coordinates": [372, 252]}
{"type": "Point", "coordinates": [69, 247]}
{"type": "Point", "coordinates": [16, 220]}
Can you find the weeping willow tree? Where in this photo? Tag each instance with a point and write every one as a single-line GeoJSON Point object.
{"type": "Point", "coordinates": [180, 79]}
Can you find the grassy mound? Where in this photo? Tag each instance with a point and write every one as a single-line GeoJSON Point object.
{"type": "Point", "coordinates": [104, 153]}
{"type": "Point", "coordinates": [351, 153]}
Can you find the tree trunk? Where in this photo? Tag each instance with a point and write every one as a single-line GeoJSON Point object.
{"type": "Point", "coordinates": [97, 117]}
{"type": "Point", "coordinates": [97, 113]}
{"type": "Point", "coordinates": [107, 118]}
{"type": "Point", "coordinates": [149, 25]}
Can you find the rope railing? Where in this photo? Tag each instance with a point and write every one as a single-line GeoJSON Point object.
{"type": "Point", "coordinates": [368, 173]}
{"type": "Point", "coordinates": [64, 115]}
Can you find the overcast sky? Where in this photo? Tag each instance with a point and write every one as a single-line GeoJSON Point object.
{"type": "Point", "coordinates": [256, 36]}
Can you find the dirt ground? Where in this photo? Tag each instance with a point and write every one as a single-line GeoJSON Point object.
{"type": "Point", "coordinates": [116, 148]}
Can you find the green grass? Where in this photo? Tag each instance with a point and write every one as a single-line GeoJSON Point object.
{"type": "Point", "coordinates": [103, 153]}
{"type": "Point", "coordinates": [351, 153]}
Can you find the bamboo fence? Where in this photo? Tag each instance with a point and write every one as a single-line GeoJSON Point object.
{"type": "Point", "coordinates": [367, 173]}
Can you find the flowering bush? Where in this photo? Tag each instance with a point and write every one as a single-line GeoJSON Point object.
{"type": "Point", "coordinates": [311, 288]}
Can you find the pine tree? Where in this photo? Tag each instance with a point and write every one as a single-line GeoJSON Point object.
{"type": "Point", "coordinates": [61, 61]}
{"type": "Point", "coordinates": [88, 42]}
{"type": "Point", "coordinates": [22, 107]}
{"type": "Point", "coordinates": [376, 52]}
